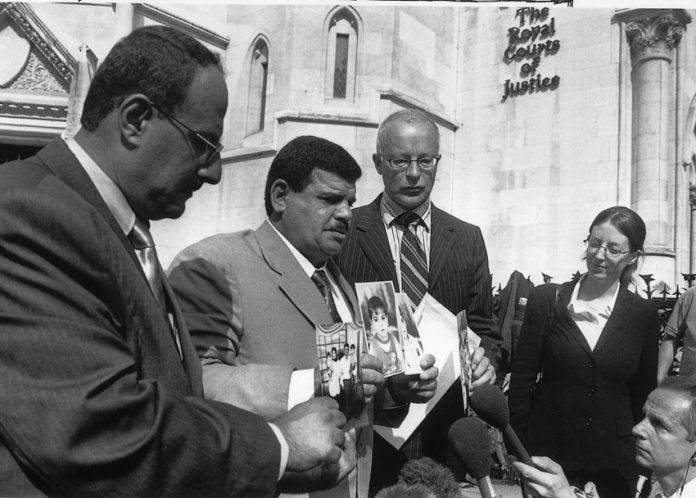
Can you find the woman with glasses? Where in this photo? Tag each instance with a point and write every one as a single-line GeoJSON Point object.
{"type": "Point", "coordinates": [586, 360]}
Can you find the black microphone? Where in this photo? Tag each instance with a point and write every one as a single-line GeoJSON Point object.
{"type": "Point", "coordinates": [471, 442]}
{"type": "Point", "coordinates": [489, 402]}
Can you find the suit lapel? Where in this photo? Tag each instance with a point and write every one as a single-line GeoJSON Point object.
{"type": "Point", "coordinates": [292, 280]}
{"type": "Point", "coordinates": [57, 157]}
{"type": "Point", "coordinates": [566, 321]}
{"type": "Point", "coordinates": [372, 238]}
{"type": "Point", "coordinates": [347, 291]}
{"type": "Point", "coordinates": [617, 319]}
{"type": "Point", "coordinates": [441, 241]}
{"type": "Point", "coordinates": [190, 358]}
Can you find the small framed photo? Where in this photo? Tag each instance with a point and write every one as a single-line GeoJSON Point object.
{"type": "Point", "coordinates": [380, 312]}
{"type": "Point", "coordinates": [339, 347]}
{"type": "Point", "coordinates": [410, 338]}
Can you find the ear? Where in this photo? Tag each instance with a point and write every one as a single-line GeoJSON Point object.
{"type": "Point", "coordinates": [280, 190]}
{"type": "Point", "coordinates": [134, 116]}
{"type": "Point", "coordinates": [634, 259]}
{"type": "Point", "coordinates": [377, 159]}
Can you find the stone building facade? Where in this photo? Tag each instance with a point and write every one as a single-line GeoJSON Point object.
{"type": "Point", "coordinates": [547, 115]}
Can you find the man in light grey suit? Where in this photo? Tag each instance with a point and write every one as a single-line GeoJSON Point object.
{"type": "Point", "coordinates": [252, 306]}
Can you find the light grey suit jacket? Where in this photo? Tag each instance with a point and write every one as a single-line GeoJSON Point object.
{"type": "Point", "coordinates": [252, 313]}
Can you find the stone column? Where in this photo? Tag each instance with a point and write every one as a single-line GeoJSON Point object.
{"type": "Point", "coordinates": [652, 35]}
{"type": "Point", "coordinates": [692, 228]}
{"type": "Point", "coordinates": [124, 20]}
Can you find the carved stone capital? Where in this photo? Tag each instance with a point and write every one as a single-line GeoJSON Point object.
{"type": "Point", "coordinates": [654, 37]}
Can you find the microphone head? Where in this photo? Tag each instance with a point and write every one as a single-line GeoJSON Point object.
{"type": "Point", "coordinates": [472, 444]}
{"type": "Point", "coordinates": [489, 403]}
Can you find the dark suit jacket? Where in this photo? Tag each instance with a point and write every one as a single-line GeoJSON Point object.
{"type": "Point", "coordinates": [588, 400]}
{"type": "Point", "coordinates": [94, 397]}
{"type": "Point", "coordinates": [253, 312]}
{"type": "Point", "coordinates": [458, 277]}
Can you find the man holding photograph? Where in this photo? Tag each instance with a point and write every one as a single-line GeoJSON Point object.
{"type": "Point", "coordinates": [402, 237]}
{"type": "Point", "coordinates": [253, 299]}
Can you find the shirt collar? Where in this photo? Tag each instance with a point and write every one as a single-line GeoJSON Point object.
{"type": "Point", "coordinates": [109, 191]}
{"type": "Point", "coordinates": [391, 210]}
{"type": "Point", "coordinates": [306, 265]}
{"type": "Point", "coordinates": [575, 306]}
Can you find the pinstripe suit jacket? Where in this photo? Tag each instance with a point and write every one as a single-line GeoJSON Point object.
{"type": "Point", "coordinates": [458, 278]}
{"type": "Point", "coordinates": [458, 275]}
{"type": "Point", "coordinates": [94, 398]}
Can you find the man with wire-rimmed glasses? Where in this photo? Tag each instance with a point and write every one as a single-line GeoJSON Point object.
{"type": "Point", "coordinates": [401, 236]}
{"type": "Point", "coordinates": [101, 388]}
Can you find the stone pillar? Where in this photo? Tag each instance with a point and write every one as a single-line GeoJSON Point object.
{"type": "Point", "coordinates": [692, 228]}
{"type": "Point", "coordinates": [652, 35]}
{"type": "Point", "coordinates": [124, 20]}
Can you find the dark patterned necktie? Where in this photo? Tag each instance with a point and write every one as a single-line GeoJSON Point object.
{"type": "Point", "coordinates": [322, 282]}
{"type": "Point", "coordinates": [414, 266]}
{"type": "Point", "coordinates": [144, 247]}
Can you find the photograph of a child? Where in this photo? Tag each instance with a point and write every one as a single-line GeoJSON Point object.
{"type": "Point", "coordinates": [381, 317]}
{"type": "Point", "coordinates": [338, 349]}
{"type": "Point", "coordinates": [413, 347]}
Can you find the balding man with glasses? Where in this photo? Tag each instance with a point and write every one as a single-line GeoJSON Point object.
{"type": "Point", "coordinates": [402, 237]}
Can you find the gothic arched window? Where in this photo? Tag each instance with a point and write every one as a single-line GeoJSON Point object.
{"type": "Point", "coordinates": [258, 78]}
{"type": "Point", "coordinates": [342, 52]}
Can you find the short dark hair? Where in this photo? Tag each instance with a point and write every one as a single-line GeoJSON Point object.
{"type": "Point", "coordinates": [295, 162]}
{"type": "Point", "coordinates": [684, 386]}
{"type": "Point", "coordinates": [630, 224]}
{"type": "Point", "coordinates": [374, 304]}
{"type": "Point", "coordinates": [157, 61]}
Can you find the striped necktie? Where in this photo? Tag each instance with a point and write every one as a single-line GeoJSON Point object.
{"type": "Point", "coordinates": [322, 282]}
{"type": "Point", "coordinates": [414, 266]}
{"type": "Point", "coordinates": [144, 247]}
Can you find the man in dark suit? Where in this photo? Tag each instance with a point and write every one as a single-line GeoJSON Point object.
{"type": "Point", "coordinates": [252, 302]}
{"type": "Point", "coordinates": [454, 266]}
{"type": "Point", "coordinates": [100, 386]}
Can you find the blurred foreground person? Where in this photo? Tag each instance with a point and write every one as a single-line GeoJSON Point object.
{"type": "Point", "coordinates": [100, 386]}
{"type": "Point", "coordinates": [594, 342]}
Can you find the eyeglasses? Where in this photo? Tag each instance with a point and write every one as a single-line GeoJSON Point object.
{"type": "Point", "coordinates": [211, 149]}
{"type": "Point", "coordinates": [593, 246]}
{"type": "Point", "coordinates": [403, 163]}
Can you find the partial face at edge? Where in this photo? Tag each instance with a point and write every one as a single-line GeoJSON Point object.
{"type": "Point", "coordinates": [661, 444]}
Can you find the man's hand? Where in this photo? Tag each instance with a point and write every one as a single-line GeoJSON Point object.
{"type": "Point", "coordinates": [591, 490]}
{"type": "Point", "coordinates": [322, 476]}
{"type": "Point", "coordinates": [313, 432]}
{"type": "Point", "coordinates": [547, 479]}
{"type": "Point", "coordinates": [483, 371]}
{"type": "Point", "coordinates": [372, 378]}
{"type": "Point", "coordinates": [408, 389]}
